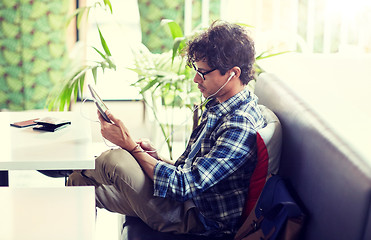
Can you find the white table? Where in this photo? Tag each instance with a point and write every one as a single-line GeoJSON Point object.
{"type": "Point", "coordinates": [47, 213]}
{"type": "Point", "coordinates": [27, 149]}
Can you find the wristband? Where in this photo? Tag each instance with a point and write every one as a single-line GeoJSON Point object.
{"type": "Point", "coordinates": [136, 149]}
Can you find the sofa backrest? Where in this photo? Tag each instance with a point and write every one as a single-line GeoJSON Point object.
{"type": "Point", "coordinates": [268, 142]}
{"type": "Point", "coordinates": [330, 178]}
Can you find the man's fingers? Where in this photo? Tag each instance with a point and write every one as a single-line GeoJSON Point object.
{"type": "Point", "coordinates": [147, 145]}
{"type": "Point", "coordinates": [113, 118]}
{"type": "Point", "coordinates": [100, 117]}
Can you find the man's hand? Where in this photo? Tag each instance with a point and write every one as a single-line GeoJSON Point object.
{"type": "Point", "coordinates": [147, 146]}
{"type": "Point", "coordinates": [116, 132]}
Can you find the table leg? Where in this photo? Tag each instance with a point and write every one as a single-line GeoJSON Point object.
{"type": "Point", "coordinates": [4, 179]}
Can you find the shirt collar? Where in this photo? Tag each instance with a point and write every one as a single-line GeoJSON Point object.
{"type": "Point", "coordinates": [213, 106]}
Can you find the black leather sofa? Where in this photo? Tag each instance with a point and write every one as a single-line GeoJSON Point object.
{"type": "Point", "coordinates": [331, 180]}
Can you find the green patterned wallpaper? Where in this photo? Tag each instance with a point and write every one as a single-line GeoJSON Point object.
{"type": "Point", "coordinates": [154, 36]}
{"type": "Point", "coordinates": [33, 51]}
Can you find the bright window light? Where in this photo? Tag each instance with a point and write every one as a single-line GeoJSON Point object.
{"type": "Point", "coordinates": [347, 9]}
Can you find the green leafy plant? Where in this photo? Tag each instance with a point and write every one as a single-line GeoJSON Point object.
{"type": "Point", "coordinates": [165, 83]}
{"type": "Point", "coordinates": [73, 84]}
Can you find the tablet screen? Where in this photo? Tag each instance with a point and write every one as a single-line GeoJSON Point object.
{"type": "Point", "coordinates": [99, 103]}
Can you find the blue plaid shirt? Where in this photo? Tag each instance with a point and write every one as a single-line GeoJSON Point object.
{"type": "Point", "coordinates": [216, 179]}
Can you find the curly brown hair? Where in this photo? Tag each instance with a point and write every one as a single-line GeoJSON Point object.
{"type": "Point", "coordinates": [223, 46]}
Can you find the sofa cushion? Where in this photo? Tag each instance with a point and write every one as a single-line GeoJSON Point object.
{"type": "Point", "coordinates": [268, 140]}
{"type": "Point", "coordinates": [135, 229]}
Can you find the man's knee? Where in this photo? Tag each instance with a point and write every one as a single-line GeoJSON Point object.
{"type": "Point", "coordinates": [122, 169]}
{"type": "Point", "coordinates": [77, 179]}
{"type": "Point", "coordinates": [109, 160]}
{"type": "Point", "coordinates": [117, 163]}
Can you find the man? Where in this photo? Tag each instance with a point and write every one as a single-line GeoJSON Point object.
{"type": "Point", "coordinates": [204, 191]}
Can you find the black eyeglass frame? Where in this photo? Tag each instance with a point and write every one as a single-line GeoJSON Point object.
{"type": "Point", "coordinates": [202, 74]}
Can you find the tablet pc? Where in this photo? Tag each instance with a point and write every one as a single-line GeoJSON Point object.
{"type": "Point", "coordinates": [99, 103]}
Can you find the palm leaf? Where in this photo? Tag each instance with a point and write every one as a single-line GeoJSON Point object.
{"type": "Point", "coordinates": [262, 56]}
{"type": "Point", "coordinates": [108, 3]}
{"type": "Point", "coordinates": [104, 44]}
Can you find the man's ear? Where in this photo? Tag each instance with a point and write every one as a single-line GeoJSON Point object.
{"type": "Point", "coordinates": [236, 70]}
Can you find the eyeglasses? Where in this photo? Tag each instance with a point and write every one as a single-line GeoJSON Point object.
{"type": "Point", "coordinates": [202, 74]}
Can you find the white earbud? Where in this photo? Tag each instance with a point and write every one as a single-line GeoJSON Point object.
{"type": "Point", "coordinates": [230, 77]}
{"type": "Point", "coordinates": [232, 74]}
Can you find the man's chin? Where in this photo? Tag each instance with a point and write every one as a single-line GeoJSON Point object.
{"type": "Point", "coordinates": [205, 94]}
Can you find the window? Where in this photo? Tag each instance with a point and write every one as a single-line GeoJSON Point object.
{"type": "Point", "coordinates": [121, 30]}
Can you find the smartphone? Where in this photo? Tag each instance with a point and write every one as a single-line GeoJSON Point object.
{"type": "Point", "coordinates": [99, 103]}
{"type": "Point", "coordinates": [48, 128]}
{"type": "Point", "coordinates": [25, 123]}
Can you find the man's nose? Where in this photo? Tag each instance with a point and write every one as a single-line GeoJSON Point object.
{"type": "Point", "coordinates": [197, 78]}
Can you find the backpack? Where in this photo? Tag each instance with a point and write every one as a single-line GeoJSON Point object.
{"type": "Point", "coordinates": [276, 215]}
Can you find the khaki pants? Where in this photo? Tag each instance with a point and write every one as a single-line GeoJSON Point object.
{"type": "Point", "coordinates": [121, 186]}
